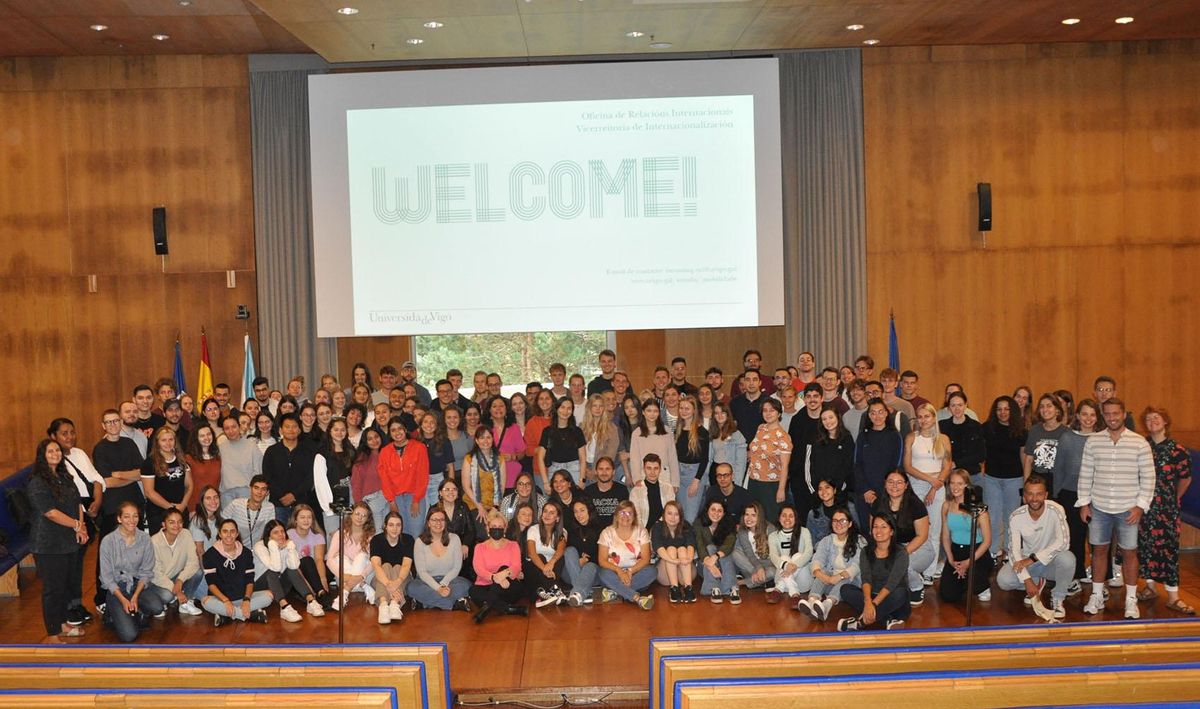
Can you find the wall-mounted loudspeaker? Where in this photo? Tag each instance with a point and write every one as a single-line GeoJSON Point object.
{"type": "Point", "coordinates": [160, 231]}
{"type": "Point", "coordinates": [984, 191]}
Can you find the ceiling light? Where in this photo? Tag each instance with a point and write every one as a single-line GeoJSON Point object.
{"type": "Point", "coordinates": [660, 45]}
{"type": "Point", "coordinates": [347, 10]}
{"type": "Point", "coordinates": [160, 37]}
{"type": "Point", "coordinates": [1071, 21]}
{"type": "Point", "coordinates": [415, 41]}
{"type": "Point", "coordinates": [1123, 20]}
{"type": "Point", "coordinates": [871, 42]}
{"type": "Point", "coordinates": [433, 25]}
{"type": "Point", "coordinates": [854, 28]}
{"type": "Point", "coordinates": [185, 3]}
{"type": "Point", "coordinates": [634, 34]}
{"type": "Point", "coordinates": [99, 28]}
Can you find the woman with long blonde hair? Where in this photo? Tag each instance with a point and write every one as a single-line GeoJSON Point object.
{"type": "Point", "coordinates": [692, 444]}
{"type": "Point", "coordinates": [927, 462]}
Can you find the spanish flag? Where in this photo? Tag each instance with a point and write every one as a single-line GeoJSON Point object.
{"type": "Point", "coordinates": [204, 383]}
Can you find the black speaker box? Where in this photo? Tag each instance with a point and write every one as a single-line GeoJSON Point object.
{"type": "Point", "coordinates": [984, 191]}
{"type": "Point", "coordinates": [160, 231]}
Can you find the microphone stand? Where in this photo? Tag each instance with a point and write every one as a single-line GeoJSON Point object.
{"type": "Point", "coordinates": [341, 513]}
{"type": "Point", "coordinates": [976, 509]}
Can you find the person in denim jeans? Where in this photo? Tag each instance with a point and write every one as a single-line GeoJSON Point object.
{"type": "Point", "coordinates": [580, 558]}
{"type": "Point", "coordinates": [126, 569]}
{"type": "Point", "coordinates": [716, 533]}
{"type": "Point", "coordinates": [834, 564]}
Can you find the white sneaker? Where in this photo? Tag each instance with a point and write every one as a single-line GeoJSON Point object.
{"type": "Point", "coordinates": [1118, 579]}
{"type": "Point", "coordinates": [560, 598]}
{"type": "Point", "coordinates": [395, 611]}
{"type": "Point", "coordinates": [368, 592]}
{"type": "Point", "coordinates": [340, 602]}
{"type": "Point", "coordinates": [544, 598]}
{"type": "Point", "coordinates": [189, 608]}
{"type": "Point", "coordinates": [385, 614]}
{"type": "Point", "coordinates": [985, 596]}
{"type": "Point", "coordinates": [1058, 609]}
{"type": "Point", "coordinates": [289, 614]}
{"type": "Point", "coordinates": [575, 599]}
{"type": "Point", "coordinates": [1094, 605]}
{"type": "Point", "coordinates": [1131, 609]}
{"type": "Point", "coordinates": [895, 623]}
{"type": "Point", "coordinates": [823, 608]}
{"type": "Point", "coordinates": [314, 609]}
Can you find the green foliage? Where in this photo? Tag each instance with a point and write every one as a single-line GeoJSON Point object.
{"type": "Point", "coordinates": [518, 357]}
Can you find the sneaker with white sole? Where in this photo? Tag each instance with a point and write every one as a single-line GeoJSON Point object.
{"type": "Point", "coordinates": [847, 624]}
{"type": "Point", "coordinates": [805, 605]}
{"type": "Point", "coordinates": [575, 599]}
{"type": "Point", "coordinates": [894, 623]}
{"type": "Point", "coordinates": [735, 598]}
{"type": "Point", "coordinates": [385, 614]}
{"type": "Point", "coordinates": [1075, 588]}
{"type": "Point", "coordinates": [715, 597]}
{"type": "Point", "coordinates": [927, 579]}
{"type": "Point", "coordinates": [823, 608]}
{"type": "Point", "coordinates": [544, 598]}
{"type": "Point", "coordinates": [314, 608]}
{"type": "Point", "coordinates": [1118, 579]}
{"type": "Point", "coordinates": [985, 596]}
{"type": "Point", "coordinates": [607, 595]}
{"type": "Point", "coordinates": [368, 593]}
{"type": "Point", "coordinates": [394, 610]}
{"type": "Point", "coordinates": [645, 602]}
{"type": "Point", "coordinates": [189, 608]}
{"type": "Point", "coordinates": [1095, 604]}
{"type": "Point", "coordinates": [1131, 609]}
{"type": "Point", "coordinates": [340, 601]}
{"type": "Point", "coordinates": [1059, 609]}
{"type": "Point", "coordinates": [289, 614]}
{"type": "Point", "coordinates": [916, 598]}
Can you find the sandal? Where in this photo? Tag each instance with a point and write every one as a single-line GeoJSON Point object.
{"type": "Point", "coordinates": [1147, 594]}
{"type": "Point", "coordinates": [1179, 606]}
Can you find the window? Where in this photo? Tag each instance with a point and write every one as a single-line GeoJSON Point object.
{"type": "Point", "coordinates": [518, 357]}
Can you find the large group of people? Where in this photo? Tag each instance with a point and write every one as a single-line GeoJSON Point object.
{"type": "Point", "coordinates": [811, 487]}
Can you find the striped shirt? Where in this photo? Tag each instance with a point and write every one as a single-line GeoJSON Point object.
{"type": "Point", "coordinates": [1115, 477]}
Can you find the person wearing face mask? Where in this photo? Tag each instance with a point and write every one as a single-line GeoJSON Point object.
{"type": "Point", "coordinates": [498, 580]}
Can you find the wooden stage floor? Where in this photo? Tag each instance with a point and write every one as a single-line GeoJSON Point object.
{"type": "Point", "coordinates": [603, 645]}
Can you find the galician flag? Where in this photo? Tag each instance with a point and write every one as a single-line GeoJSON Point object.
{"type": "Point", "coordinates": [248, 372]}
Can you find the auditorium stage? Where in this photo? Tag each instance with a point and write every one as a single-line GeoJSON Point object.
{"type": "Point", "coordinates": [600, 646]}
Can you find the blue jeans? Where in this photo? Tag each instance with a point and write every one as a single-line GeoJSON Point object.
{"type": "Point", "coordinates": [193, 588]}
{"type": "Point", "coordinates": [728, 574]}
{"type": "Point", "coordinates": [571, 467]}
{"type": "Point", "coordinates": [641, 581]}
{"type": "Point", "coordinates": [413, 523]}
{"type": "Point", "coordinates": [1106, 525]}
{"type": "Point", "coordinates": [619, 472]}
{"type": "Point", "coordinates": [580, 578]}
{"type": "Point", "coordinates": [1060, 570]}
{"type": "Point", "coordinates": [129, 626]}
{"type": "Point", "coordinates": [1002, 496]}
{"type": "Point", "coordinates": [690, 505]}
{"type": "Point", "coordinates": [426, 596]}
{"type": "Point", "coordinates": [258, 601]}
{"type": "Point", "coordinates": [379, 509]}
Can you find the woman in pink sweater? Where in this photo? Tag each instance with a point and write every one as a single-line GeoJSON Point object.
{"type": "Point", "coordinates": [498, 580]}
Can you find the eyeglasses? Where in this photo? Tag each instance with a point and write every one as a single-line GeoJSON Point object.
{"type": "Point", "coordinates": [110, 422]}
{"type": "Point", "coordinates": [841, 522]}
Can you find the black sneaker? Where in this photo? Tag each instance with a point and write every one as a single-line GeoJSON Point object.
{"type": "Point", "coordinates": [689, 594]}
{"type": "Point", "coordinates": [916, 598]}
{"type": "Point", "coordinates": [74, 617]}
{"type": "Point", "coordinates": [462, 604]}
{"type": "Point", "coordinates": [675, 595]}
{"type": "Point", "coordinates": [258, 616]}
{"type": "Point", "coordinates": [219, 620]}
{"type": "Point", "coordinates": [415, 604]}
{"type": "Point", "coordinates": [848, 624]}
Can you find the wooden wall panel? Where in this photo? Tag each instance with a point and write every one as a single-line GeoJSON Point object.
{"type": "Point", "coordinates": [723, 347]}
{"type": "Point", "coordinates": [376, 352]}
{"type": "Point", "coordinates": [1093, 152]}
{"type": "Point", "coordinates": [87, 147]}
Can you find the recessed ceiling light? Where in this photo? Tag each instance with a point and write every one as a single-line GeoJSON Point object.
{"type": "Point", "coordinates": [1071, 21]}
{"type": "Point", "coordinates": [854, 28]}
{"type": "Point", "coordinates": [1123, 20]}
{"type": "Point", "coordinates": [634, 34]}
{"type": "Point", "coordinates": [99, 28]}
{"type": "Point", "coordinates": [160, 37]}
{"type": "Point", "coordinates": [433, 25]}
{"type": "Point", "coordinates": [871, 42]}
{"type": "Point", "coordinates": [415, 40]}
{"type": "Point", "coordinates": [660, 45]}
{"type": "Point", "coordinates": [347, 10]}
{"type": "Point", "coordinates": [185, 3]}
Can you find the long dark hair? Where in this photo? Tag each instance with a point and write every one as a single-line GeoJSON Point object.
{"type": "Point", "coordinates": [659, 427]}
{"type": "Point", "coordinates": [852, 534]}
{"type": "Point", "coordinates": [54, 477]}
{"type": "Point", "coordinates": [513, 532]}
{"type": "Point", "coordinates": [509, 419]}
{"type": "Point", "coordinates": [727, 525]}
{"type": "Point", "coordinates": [193, 444]}
{"type": "Point", "coordinates": [200, 518]}
{"type": "Point", "coordinates": [893, 544]}
{"type": "Point", "coordinates": [1016, 418]}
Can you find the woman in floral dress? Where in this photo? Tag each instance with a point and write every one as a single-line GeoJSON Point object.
{"type": "Point", "coordinates": [1158, 537]}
